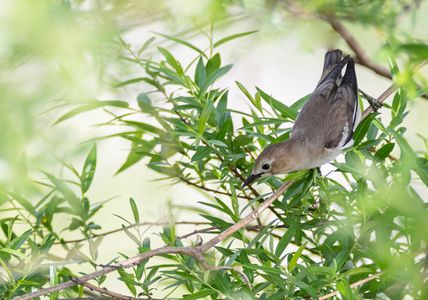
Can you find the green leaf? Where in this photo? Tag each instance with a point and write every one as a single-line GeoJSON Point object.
{"type": "Point", "coordinates": [200, 294]}
{"type": "Point", "coordinates": [91, 106]}
{"type": "Point", "coordinates": [217, 143]}
{"type": "Point", "coordinates": [285, 240]}
{"type": "Point", "coordinates": [415, 49]}
{"type": "Point", "coordinates": [17, 242]}
{"type": "Point", "coordinates": [203, 119]}
{"type": "Point", "coordinates": [232, 37]}
{"type": "Point", "coordinates": [68, 194]}
{"type": "Point", "coordinates": [362, 128]}
{"type": "Point", "coordinates": [88, 170]}
{"type": "Point", "coordinates": [296, 256]}
{"type": "Point", "coordinates": [214, 76]}
{"type": "Point", "coordinates": [135, 211]}
{"type": "Point", "coordinates": [13, 252]}
{"type": "Point", "coordinates": [24, 203]}
{"type": "Point", "coordinates": [128, 279]}
{"type": "Point", "coordinates": [321, 270]}
{"type": "Point", "coordinates": [93, 247]}
{"type": "Point", "coordinates": [144, 102]}
{"type": "Point", "coordinates": [200, 73]}
{"type": "Point", "coordinates": [255, 101]}
{"type": "Point", "coordinates": [183, 42]}
{"type": "Point", "coordinates": [171, 60]}
{"type": "Point", "coordinates": [357, 271]}
{"type": "Point", "coordinates": [213, 64]}
{"type": "Point", "coordinates": [299, 103]}
{"type": "Point", "coordinates": [130, 81]}
{"type": "Point", "coordinates": [344, 289]}
{"type": "Point", "coordinates": [384, 151]}
{"type": "Point", "coordinates": [280, 107]}
{"type": "Point", "coordinates": [146, 45]}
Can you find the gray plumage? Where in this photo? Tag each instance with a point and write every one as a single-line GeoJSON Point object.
{"type": "Point", "coordinates": [323, 127]}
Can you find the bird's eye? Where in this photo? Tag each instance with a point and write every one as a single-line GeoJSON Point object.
{"type": "Point", "coordinates": [266, 167]}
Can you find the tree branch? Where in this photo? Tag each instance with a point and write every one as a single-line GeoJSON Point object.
{"type": "Point", "coordinates": [195, 252]}
{"type": "Point", "coordinates": [361, 56]}
{"type": "Point", "coordinates": [202, 187]}
{"type": "Point", "coordinates": [355, 284]}
{"type": "Point", "coordinates": [131, 226]}
{"type": "Point", "coordinates": [105, 291]}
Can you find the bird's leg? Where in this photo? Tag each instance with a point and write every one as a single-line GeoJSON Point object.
{"type": "Point", "coordinates": [374, 104]}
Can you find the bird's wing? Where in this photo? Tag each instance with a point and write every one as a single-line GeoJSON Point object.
{"type": "Point", "coordinates": [311, 120]}
{"type": "Point", "coordinates": [342, 114]}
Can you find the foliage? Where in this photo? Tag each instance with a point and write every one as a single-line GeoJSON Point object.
{"type": "Point", "coordinates": [325, 234]}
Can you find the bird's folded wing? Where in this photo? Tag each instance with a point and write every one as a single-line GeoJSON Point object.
{"type": "Point", "coordinates": [342, 116]}
{"type": "Point", "coordinates": [340, 119]}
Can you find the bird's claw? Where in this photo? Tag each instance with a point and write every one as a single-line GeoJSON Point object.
{"type": "Point", "coordinates": [373, 102]}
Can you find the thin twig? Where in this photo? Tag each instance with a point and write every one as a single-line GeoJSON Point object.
{"type": "Point", "coordinates": [196, 223]}
{"type": "Point", "coordinates": [105, 291]}
{"type": "Point", "coordinates": [355, 284]}
{"type": "Point", "coordinates": [203, 187]}
{"type": "Point", "coordinates": [381, 99]}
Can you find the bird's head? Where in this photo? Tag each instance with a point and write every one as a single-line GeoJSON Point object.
{"type": "Point", "coordinates": [274, 159]}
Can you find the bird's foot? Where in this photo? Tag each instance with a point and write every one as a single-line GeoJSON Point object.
{"type": "Point", "coordinates": [373, 102]}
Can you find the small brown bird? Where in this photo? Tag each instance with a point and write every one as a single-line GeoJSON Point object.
{"type": "Point", "coordinates": [324, 126]}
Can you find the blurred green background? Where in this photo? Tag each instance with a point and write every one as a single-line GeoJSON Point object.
{"type": "Point", "coordinates": [54, 54]}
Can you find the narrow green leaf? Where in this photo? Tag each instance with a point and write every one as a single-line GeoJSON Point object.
{"type": "Point", "coordinates": [214, 76]}
{"type": "Point", "coordinates": [417, 50]}
{"type": "Point", "coordinates": [280, 107]}
{"type": "Point", "coordinates": [134, 210]}
{"type": "Point", "coordinates": [357, 271]}
{"type": "Point", "coordinates": [200, 73]}
{"type": "Point", "coordinates": [88, 170]}
{"type": "Point", "coordinates": [200, 294]}
{"type": "Point", "coordinates": [146, 45]}
{"type": "Point", "coordinates": [203, 119]}
{"type": "Point", "coordinates": [362, 128]}
{"type": "Point", "coordinates": [295, 258]}
{"type": "Point", "coordinates": [213, 64]}
{"type": "Point", "coordinates": [171, 60]}
{"type": "Point", "coordinates": [384, 151]}
{"type": "Point", "coordinates": [91, 106]}
{"type": "Point", "coordinates": [183, 42]}
{"type": "Point", "coordinates": [232, 37]}
{"type": "Point", "coordinates": [285, 240]}
{"type": "Point", "coordinates": [217, 143]}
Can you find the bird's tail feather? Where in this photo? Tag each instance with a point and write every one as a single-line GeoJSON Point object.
{"type": "Point", "coordinates": [336, 71]}
{"type": "Point", "coordinates": [331, 58]}
{"type": "Point", "coordinates": [350, 78]}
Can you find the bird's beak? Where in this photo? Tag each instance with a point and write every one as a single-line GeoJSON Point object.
{"type": "Point", "coordinates": [250, 179]}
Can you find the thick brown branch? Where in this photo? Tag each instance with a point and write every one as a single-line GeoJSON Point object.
{"type": "Point", "coordinates": [361, 56]}
{"type": "Point", "coordinates": [105, 291]}
{"type": "Point", "coordinates": [196, 252]}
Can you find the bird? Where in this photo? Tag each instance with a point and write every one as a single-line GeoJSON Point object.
{"type": "Point", "coordinates": [323, 127]}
